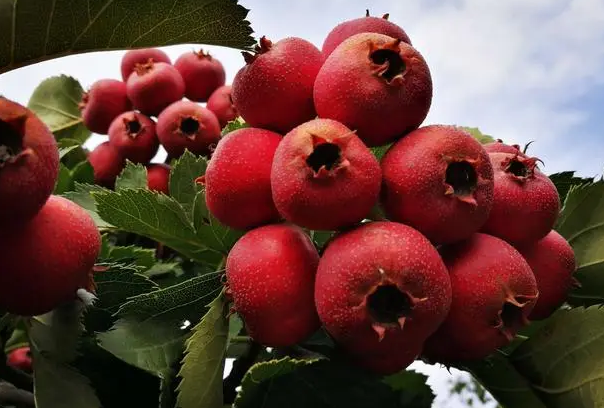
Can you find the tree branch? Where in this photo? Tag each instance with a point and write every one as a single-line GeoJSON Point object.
{"type": "Point", "coordinates": [12, 396]}
{"type": "Point", "coordinates": [240, 367]}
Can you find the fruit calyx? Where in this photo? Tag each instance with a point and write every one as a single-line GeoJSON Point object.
{"type": "Point", "coordinates": [189, 126]}
{"type": "Point", "coordinates": [326, 158]}
{"type": "Point", "coordinates": [386, 61]}
{"type": "Point", "coordinates": [385, 16]}
{"type": "Point", "coordinates": [133, 127]}
{"type": "Point", "coordinates": [520, 168]}
{"type": "Point", "coordinates": [84, 101]}
{"type": "Point", "coordinates": [142, 69]}
{"type": "Point", "coordinates": [11, 146]}
{"type": "Point", "coordinates": [201, 54]}
{"type": "Point", "coordinates": [264, 45]}
{"type": "Point", "coordinates": [513, 314]}
{"type": "Point", "coordinates": [461, 179]}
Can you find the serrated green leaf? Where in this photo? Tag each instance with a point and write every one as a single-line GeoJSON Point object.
{"type": "Point", "coordinates": [64, 151]}
{"type": "Point", "coordinates": [133, 176]}
{"type": "Point", "coordinates": [565, 180]}
{"type": "Point", "coordinates": [182, 179]}
{"type": "Point", "coordinates": [65, 27]}
{"type": "Point", "coordinates": [233, 125]}
{"type": "Point", "coordinates": [235, 326]}
{"type": "Point", "coordinates": [142, 257]}
{"type": "Point", "coordinates": [214, 234]}
{"type": "Point", "coordinates": [203, 363]}
{"type": "Point", "coordinates": [164, 268]}
{"type": "Point", "coordinates": [83, 173]}
{"type": "Point", "coordinates": [478, 135]}
{"type": "Point", "coordinates": [75, 156]}
{"type": "Point", "coordinates": [82, 196]}
{"type": "Point", "coordinates": [412, 387]}
{"type": "Point", "coordinates": [64, 181]}
{"type": "Point", "coordinates": [55, 101]}
{"type": "Point", "coordinates": [150, 333]}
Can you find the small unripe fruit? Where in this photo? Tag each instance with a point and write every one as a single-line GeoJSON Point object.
{"type": "Point", "coordinates": [104, 101]}
{"type": "Point", "coordinates": [141, 56]}
{"type": "Point", "coordinates": [107, 163]}
{"type": "Point", "coordinates": [202, 74]}
{"type": "Point", "coordinates": [221, 103]}
{"type": "Point", "coordinates": [133, 135]}
{"type": "Point", "coordinates": [270, 275]}
{"type": "Point", "coordinates": [158, 177]}
{"type": "Point", "coordinates": [154, 86]}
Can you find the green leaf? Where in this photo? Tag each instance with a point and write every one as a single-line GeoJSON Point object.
{"type": "Point", "coordinates": [82, 196]}
{"type": "Point", "coordinates": [142, 257]}
{"type": "Point", "coordinates": [64, 181]}
{"type": "Point", "coordinates": [65, 27]}
{"type": "Point", "coordinates": [149, 333]}
{"type": "Point", "coordinates": [133, 176]}
{"type": "Point", "coordinates": [215, 235]}
{"type": "Point", "coordinates": [380, 151]}
{"type": "Point", "coordinates": [413, 390]}
{"type": "Point", "coordinates": [56, 99]}
{"type": "Point", "coordinates": [203, 363]}
{"type": "Point", "coordinates": [233, 125]}
{"type": "Point", "coordinates": [77, 153]}
{"type": "Point", "coordinates": [478, 135]}
{"type": "Point", "coordinates": [565, 180]}
{"type": "Point", "coordinates": [582, 224]}
{"type": "Point", "coordinates": [182, 179]}
{"type": "Point", "coordinates": [64, 151]}
{"type": "Point", "coordinates": [83, 173]}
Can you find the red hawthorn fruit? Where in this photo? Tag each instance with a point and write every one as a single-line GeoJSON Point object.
{"type": "Point", "coordinates": [323, 177]}
{"type": "Point", "coordinates": [187, 125]}
{"type": "Point", "coordinates": [133, 135]}
{"type": "Point", "coordinates": [439, 180]}
{"type": "Point", "coordinates": [374, 84]}
{"type": "Point", "coordinates": [104, 101]}
{"type": "Point", "coordinates": [552, 260]}
{"type": "Point", "coordinates": [29, 163]}
{"type": "Point", "coordinates": [21, 359]}
{"type": "Point", "coordinates": [202, 74]}
{"type": "Point", "coordinates": [154, 86]}
{"type": "Point", "coordinates": [158, 177]}
{"type": "Point", "coordinates": [526, 202]}
{"type": "Point", "coordinates": [494, 291]}
{"type": "Point", "coordinates": [282, 261]}
{"type": "Point", "coordinates": [46, 260]}
{"type": "Point", "coordinates": [381, 289]}
{"type": "Point", "coordinates": [499, 147]}
{"type": "Point", "coordinates": [141, 56]}
{"type": "Point", "coordinates": [274, 89]}
{"type": "Point", "coordinates": [238, 178]}
{"type": "Point", "coordinates": [221, 103]}
{"type": "Point", "coordinates": [107, 163]}
{"type": "Point", "coordinates": [367, 24]}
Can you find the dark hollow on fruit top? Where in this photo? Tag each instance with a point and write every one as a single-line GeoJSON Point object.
{"type": "Point", "coordinates": [388, 304]}
{"type": "Point", "coordinates": [325, 154]}
{"type": "Point", "coordinates": [396, 65]}
{"type": "Point", "coordinates": [462, 177]}
{"type": "Point", "coordinates": [133, 126]}
{"type": "Point", "coordinates": [10, 142]}
{"type": "Point", "coordinates": [189, 126]}
{"type": "Point", "coordinates": [518, 169]}
{"type": "Point", "coordinates": [511, 315]}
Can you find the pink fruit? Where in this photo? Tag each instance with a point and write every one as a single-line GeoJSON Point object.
{"type": "Point", "coordinates": [107, 163]}
{"type": "Point", "coordinates": [221, 103]}
{"type": "Point", "coordinates": [552, 260]}
{"type": "Point", "coordinates": [323, 177]}
{"type": "Point", "coordinates": [367, 24]}
{"type": "Point", "coordinates": [133, 135]}
{"type": "Point", "coordinates": [381, 289]}
{"type": "Point", "coordinates": [202, 74]}
{"type": "Point", "coordinates": [154, 86]}
{"type": "Point", "coordinates": [494, 291]}
{"type": "Point", "coordinates": [141, 56]}
{"type": "Point", "coordinates": [20, 359]}
{"type": "Point", "coordinates": [187, 125]}
{"type": "Point", "coordinates": [374, 84]}
{"type": "Point", "coordinates": [274, 89]}
{"type": "Point", "coordinates": [499, 147]}
{"type": "Point", "coordinates": [238, 178]}
{"type": "Point", "coordinates": [526, 203]}
{"type": "Point", "coordinates": [439, 180]}
{"type": "Point", "coordinates": [158, 177]}
{"type": "Point", "coordinates": [103, 102]}
{"type": "Point", "coordinates": [270, 275]}
{"type": "Point", "coordinates": [29, 163]}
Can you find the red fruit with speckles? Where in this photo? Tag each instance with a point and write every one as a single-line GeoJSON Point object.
{"type": "Point", "coordinates": [238, 178]}
{"type": "Point", "coordinates": [382, 289]}
{"type": "Point", "coordinates": [439, 180]}
{"type": "Point", "coordinates": [499, 147]}
{"type": "Point", "coordinates": [494, 291]}
{"type": "Point", "coordinates": [107, 163]}
{"type": "Point", "coordinates": [158, 177]}
{"type": "Point", "coordinates": [367, 24]}
{"type": "Point", "coordinates": [29, 163]}
{"type": "Point", "coordinates": [270, 275]}
{"type": "Point", "coordinates": [221, 103]}
{"type": "Point", "coordinates": [274, 89]}
{"type": "Point", "coordinates": [141, 56]}
{"type": "Point", "coordinates": [46, 260]}
{"type": "Point", "coordinates": [376, 85]}
{"type": "Point", "coordinates": [188, 125]}
{"type": "Point", "coordinates": [526, 203]}
{"type": "Point", "coordinates": [133, 135]}
{"type": "Point", "coordinates": [202, 74]}
{"type": "Point", "coordinates": [153, 86]}
{"type": "Point", "coordinates": [21, 359]}
{"type": "Point", "coordinates": [552, 260]}
{"type": "Point", "coordinates": [323, 177]}
{"type": "Point", "coordinates": [104, 101]}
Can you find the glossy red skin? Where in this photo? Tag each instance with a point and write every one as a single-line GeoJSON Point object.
{"type": "Point", "coordinates": [340, 199]}
{"type": "Point", "coordinates": [175, 142]}
{"type": "Point", "coordinates": [275, 91]}
{"type": "Point", "coordinates": [107, 163]}
{"type": "Point", "coordinates": [552, 260]}
{"type": "Point", "coordinates": [271, 275]}
{"type": "Point", "coordinates": [221, 104]}
{"type": "Point", "coordinates": [500, 147]}
{"type": "Point", "coordinates": [152, 91]}
{"type": "Point", "coordinates": [138, 147]}
{"type": "Point", "coordinates": [47, 259]}
{"type": "Point", "coordinates": [158, 177]}
{"type": "Point", "coordinates": [368, 24]}
{"type": "Point", "coordinates": [347, 90]}
{"type": "Point", "coordinates": [413, 190]}
{"type": "Point", "coordinates": [104, 101]}
{"type": "Point", "coordinates": [27, 181]}
{"type": "Point", "coordinates": [238, 178]}
{"type": "Point", "coordinates": [522, 213]}
{"type": "Point", "coordinates": [21, 359]}
{"type": "Point", "coordinates": [479, 268]}
{"type": "Point", "coordinates": [141, 56]}
{"type": "Point", "coordinates": [202, 74]}
{"type": "Point", "coordinates": [389, 362]}
{"type": "Point", "coordinates": [350, 269]}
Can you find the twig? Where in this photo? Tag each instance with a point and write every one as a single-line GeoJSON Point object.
{"type": "Point", "coordinates": [240, 367]}
{"type": "Point", "coordinates": [12, 396]}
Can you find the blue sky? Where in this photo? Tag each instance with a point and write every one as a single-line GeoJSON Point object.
{"type": "Point", "coordinates": [519, 70]}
